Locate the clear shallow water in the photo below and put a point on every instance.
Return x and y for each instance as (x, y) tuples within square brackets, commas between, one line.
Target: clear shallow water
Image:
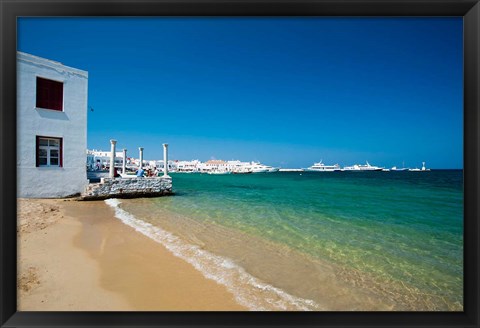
[(319, 241)]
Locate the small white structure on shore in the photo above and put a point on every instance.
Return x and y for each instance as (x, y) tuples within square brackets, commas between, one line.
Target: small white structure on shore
[(51, 128)]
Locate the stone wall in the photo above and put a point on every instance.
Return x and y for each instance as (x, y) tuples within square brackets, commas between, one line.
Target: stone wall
[(128, 188)]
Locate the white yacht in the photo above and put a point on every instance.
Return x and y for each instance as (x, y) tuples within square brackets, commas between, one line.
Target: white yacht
[(320, 167), (256, 167), (241, 170), (366, 167)]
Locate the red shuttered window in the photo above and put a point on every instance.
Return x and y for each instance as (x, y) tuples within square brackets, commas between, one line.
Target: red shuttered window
[(49, 94)]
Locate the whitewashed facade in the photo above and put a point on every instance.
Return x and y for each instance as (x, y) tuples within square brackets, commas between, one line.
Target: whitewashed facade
[(51, 128), (188, 166), (100, 159), (160, 165)]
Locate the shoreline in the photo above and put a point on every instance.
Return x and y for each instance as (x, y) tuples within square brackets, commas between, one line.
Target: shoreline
[(348, 289), (76, 256), (73, 250)]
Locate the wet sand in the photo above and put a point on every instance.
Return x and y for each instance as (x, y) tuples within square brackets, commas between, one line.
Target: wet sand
[(75, 256)]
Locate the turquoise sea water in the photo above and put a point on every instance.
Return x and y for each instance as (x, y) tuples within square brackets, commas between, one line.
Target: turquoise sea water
[(318, 240)]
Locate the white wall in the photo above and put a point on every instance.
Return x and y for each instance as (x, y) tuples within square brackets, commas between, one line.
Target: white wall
[(71, 125)]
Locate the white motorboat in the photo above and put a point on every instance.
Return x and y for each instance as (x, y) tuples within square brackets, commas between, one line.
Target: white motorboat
[(320, 167), (260, 168), (366, 167), (241, 170), (398, 169)]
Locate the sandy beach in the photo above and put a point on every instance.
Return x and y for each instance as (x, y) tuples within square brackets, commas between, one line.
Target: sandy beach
[(75, 256)]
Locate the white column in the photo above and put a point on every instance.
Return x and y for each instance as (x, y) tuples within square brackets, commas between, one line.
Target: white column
[(140, 149), (112, 158), (165, 160), (124, 164)]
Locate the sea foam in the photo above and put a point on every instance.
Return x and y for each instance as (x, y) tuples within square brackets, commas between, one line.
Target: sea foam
[(248, 290)]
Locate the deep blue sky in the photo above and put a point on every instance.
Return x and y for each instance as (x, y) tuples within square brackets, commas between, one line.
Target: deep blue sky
[(284, 91)]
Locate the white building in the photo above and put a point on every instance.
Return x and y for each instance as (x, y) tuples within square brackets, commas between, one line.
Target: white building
[(188, 166), (52, 128), (172, 165), (103, 153), (213, 165), (100, 159)]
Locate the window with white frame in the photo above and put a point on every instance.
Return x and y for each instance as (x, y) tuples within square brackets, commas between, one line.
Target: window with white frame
[(49, 151)]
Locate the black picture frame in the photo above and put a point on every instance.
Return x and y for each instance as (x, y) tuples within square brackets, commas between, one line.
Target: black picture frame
[(468, 9)]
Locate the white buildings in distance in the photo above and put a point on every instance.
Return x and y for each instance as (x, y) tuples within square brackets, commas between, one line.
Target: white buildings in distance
[(99, 160)]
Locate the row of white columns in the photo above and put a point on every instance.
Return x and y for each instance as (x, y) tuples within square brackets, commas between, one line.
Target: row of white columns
[(140, 149)]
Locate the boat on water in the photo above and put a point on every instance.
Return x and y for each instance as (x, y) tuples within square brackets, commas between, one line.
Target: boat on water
[(256, 167), (398, 169), (320, 167), (241, 171), (423, 169), (359, 167)]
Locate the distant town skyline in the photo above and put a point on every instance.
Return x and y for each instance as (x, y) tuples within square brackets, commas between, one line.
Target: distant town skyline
[(285, 91)]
